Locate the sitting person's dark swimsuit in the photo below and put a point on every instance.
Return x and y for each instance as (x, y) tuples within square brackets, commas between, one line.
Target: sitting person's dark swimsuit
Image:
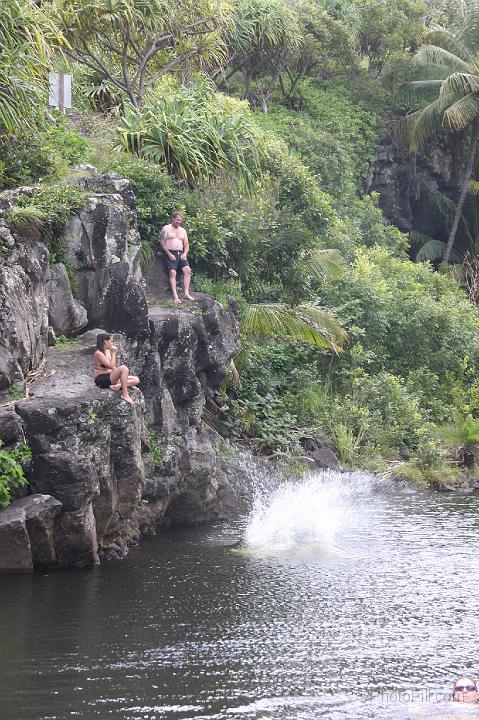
[(103, 381)]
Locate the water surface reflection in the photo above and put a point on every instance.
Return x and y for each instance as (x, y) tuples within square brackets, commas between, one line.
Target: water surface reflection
[(306, 619)]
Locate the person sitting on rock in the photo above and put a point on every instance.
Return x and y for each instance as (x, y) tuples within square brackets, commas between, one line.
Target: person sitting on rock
[(465, 690), (175, 245), (105, 372)]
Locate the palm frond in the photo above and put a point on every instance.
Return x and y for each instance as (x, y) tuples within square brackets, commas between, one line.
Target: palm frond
[(435, 56), (433, 251), (461, 113), (463, 83), (327, 263), (305, 323), (450, 40), (418, 127)]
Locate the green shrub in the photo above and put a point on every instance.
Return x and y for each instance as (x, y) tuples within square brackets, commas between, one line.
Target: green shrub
[(319, 150), (29, 221), (380, 410), (195, 133), (44, 153), (64, 342), (72, 277), (463, 431), (221, 291), (11, 472), (406, 318), (69, 145), (16, 391), (55, 204), (266, 408), (155, 449), (347, 443), (335, 108), (264, 419)]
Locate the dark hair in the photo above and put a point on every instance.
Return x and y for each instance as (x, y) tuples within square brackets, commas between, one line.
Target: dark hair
[(101, 338), (175, 213)]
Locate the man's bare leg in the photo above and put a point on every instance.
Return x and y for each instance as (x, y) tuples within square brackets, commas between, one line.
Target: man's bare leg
[(174, 292), (186, 282)]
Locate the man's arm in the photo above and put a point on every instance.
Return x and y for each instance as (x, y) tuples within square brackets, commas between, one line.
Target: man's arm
[(163, 243), (186, 247)]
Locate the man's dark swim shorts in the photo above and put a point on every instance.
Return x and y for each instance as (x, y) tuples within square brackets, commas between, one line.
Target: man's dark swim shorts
[(177, 263), (103, 381)]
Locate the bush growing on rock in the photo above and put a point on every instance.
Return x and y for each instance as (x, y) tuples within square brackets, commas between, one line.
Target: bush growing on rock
[(11, 473), (44, 153)]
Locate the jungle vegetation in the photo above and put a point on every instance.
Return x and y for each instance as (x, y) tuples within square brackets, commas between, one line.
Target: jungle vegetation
[(262, 120)]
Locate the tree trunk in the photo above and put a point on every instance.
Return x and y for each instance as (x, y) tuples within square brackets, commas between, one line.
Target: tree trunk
[(462, 197)]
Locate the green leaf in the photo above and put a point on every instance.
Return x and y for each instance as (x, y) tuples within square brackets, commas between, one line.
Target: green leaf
[(305, 323)]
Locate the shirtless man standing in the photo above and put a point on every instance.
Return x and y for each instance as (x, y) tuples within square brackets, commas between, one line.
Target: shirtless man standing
[(175, 245)]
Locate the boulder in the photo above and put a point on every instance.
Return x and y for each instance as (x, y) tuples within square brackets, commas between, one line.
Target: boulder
[(76, 541), (40, 514), (10, 425), (90, 450), (65, 314), (10, 370), (15, 548), (73, 481), (122, 306), (325, 458), (103, 248)]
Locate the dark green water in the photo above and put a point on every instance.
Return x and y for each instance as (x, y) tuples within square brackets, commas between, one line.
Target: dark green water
[(345, 600)]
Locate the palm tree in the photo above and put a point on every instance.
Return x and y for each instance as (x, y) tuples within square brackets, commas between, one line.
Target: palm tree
[(26, 38), (451, 61), (306, 323)]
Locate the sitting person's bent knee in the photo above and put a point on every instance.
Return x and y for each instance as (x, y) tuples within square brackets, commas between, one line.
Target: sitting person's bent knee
[(187, 270), (172, 273)]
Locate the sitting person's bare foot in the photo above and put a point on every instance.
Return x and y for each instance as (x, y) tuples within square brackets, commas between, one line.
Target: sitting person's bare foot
[(128, 399), (188, 296), (117, 386), (177, 300)]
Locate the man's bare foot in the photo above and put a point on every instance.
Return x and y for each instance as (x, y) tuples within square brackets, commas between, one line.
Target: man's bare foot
[(189, 297), (177, 300), (127, 399), (115, 387)]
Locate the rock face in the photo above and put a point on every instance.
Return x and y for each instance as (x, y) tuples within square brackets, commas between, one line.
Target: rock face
[(190, 353), (409, 187), (103, 472), (103, 248), (66, 316), (23, 304), (26, 534)]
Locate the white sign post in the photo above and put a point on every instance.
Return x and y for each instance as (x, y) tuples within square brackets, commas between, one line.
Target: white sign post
[(60, 91)]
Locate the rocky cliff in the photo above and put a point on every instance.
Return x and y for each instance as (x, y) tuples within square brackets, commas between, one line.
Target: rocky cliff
[(102, 473), (411, 188)]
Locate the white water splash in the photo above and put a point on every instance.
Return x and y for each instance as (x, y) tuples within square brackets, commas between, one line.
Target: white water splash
[(304, 516)]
